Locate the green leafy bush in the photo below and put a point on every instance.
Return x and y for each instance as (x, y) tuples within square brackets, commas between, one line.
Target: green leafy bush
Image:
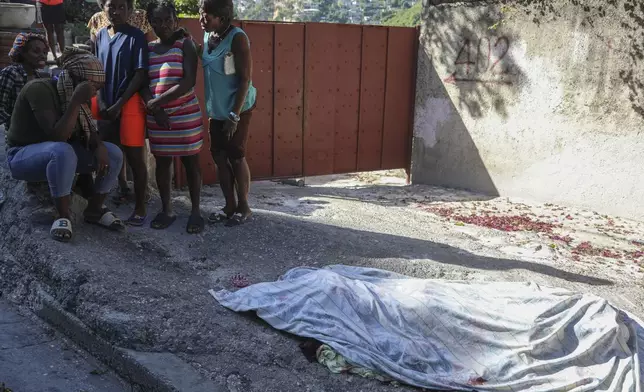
[(190, 7), (408, 17), (79, 29), (143, 4), (79, 10)]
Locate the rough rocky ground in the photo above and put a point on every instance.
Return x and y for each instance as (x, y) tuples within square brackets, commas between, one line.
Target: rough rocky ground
[(147, 289)]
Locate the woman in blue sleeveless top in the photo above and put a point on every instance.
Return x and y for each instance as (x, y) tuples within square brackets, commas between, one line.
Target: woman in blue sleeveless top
[(230, 99)]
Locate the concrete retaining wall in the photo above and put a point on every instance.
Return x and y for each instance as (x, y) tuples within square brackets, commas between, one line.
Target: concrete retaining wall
[(541, 99)]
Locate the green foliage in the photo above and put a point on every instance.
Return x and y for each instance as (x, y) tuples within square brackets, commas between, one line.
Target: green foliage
[(79, 10), (185, 6), (389, 12), (286, 12), (255, 9), (143, 4), (332, 11), (506, 11), (79, 29), (408, 17), (372, 11)]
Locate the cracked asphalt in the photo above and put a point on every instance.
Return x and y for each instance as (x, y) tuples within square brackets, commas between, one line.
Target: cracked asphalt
[(34, 358)]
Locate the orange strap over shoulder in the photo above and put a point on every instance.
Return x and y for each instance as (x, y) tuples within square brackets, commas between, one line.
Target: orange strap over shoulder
[(51, 2)]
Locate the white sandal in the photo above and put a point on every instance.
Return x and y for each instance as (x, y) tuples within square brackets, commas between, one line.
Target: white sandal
[(108, 220), (61, 230)]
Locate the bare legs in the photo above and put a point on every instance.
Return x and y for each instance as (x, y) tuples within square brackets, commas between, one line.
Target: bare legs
[(232, 168), (62, 206), (59, 29), (226, 182), (241, 172), (193, 172), (234, 177), (60, 36), (123, 187), (136, 157), (164, 184)]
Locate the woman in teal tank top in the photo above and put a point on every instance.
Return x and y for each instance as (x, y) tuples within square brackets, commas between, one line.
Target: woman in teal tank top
[(230, 99)]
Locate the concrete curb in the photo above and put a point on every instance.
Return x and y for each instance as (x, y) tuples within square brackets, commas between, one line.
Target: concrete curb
[(145, 371)]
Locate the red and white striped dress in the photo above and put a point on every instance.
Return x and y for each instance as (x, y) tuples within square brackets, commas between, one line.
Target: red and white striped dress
[(186, 134)]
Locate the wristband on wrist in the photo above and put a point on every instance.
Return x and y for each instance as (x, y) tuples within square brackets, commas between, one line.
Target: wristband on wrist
[(233, 116)]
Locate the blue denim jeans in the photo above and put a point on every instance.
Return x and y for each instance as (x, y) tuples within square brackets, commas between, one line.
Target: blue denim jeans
[(55, 162)]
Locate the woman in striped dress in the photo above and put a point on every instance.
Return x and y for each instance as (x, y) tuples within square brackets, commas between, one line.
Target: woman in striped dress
[(174, 119)]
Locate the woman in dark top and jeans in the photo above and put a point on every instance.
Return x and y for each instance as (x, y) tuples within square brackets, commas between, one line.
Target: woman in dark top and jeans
[(47, 115)]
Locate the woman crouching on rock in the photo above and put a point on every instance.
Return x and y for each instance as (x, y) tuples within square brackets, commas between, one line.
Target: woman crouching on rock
[(52, 137)]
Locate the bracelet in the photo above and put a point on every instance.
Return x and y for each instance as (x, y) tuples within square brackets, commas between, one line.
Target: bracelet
[(233, 116)]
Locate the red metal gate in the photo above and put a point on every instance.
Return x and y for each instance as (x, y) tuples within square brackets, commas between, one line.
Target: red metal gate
[(330, 98)]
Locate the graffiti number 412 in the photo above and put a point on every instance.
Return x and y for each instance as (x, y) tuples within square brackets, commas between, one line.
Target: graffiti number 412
[(480, 58)]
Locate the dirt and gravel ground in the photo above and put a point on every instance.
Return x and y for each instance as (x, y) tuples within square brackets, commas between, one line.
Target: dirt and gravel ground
[(148, 290)]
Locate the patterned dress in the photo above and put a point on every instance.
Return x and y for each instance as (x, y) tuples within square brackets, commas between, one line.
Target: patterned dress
[(186, 136), (138, 19)]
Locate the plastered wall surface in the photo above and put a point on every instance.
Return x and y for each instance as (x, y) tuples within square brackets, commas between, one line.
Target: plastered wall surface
[(538, 99)]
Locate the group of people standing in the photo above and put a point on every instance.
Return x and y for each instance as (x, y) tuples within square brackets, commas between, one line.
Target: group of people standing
[(138, 83)]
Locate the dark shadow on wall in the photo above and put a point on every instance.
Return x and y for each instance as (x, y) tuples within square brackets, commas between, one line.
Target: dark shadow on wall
[(484, 81), (479, 66), (475, 57), (444, 152), (629, 12), (633, 78)]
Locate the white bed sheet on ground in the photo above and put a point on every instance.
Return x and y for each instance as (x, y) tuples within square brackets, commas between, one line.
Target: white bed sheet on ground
[(488, 336)]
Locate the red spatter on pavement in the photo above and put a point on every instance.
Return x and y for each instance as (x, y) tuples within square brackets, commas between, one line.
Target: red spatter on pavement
[(239, 281), (634, 256), (587, 249), (565, 239), (498, 222), (477, 381), (490, 217)]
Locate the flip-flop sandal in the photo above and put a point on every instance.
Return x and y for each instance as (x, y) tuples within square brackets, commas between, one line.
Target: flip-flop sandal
[(237, 219), (162, 221), (218, 217), (108, 220), (195, 224), (136, 220), (61, 230)]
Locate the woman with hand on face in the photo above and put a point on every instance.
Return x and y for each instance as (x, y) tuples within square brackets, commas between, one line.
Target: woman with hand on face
[(230, 99), (175, 124), (53, 136), (29, 54)]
